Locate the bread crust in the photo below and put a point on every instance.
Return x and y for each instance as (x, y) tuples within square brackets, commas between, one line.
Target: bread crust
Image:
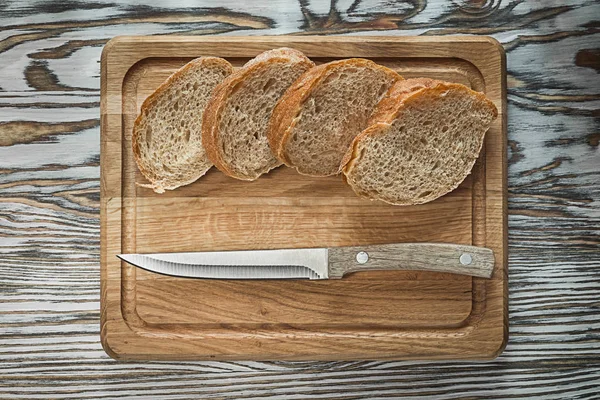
[(384, 114), (156, 181), (399, 96), (285, 115), (212, 113)]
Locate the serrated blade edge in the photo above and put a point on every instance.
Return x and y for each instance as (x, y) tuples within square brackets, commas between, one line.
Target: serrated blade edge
[(251, 264)]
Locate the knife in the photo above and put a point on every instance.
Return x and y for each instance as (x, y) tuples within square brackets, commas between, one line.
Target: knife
[(319, 263)]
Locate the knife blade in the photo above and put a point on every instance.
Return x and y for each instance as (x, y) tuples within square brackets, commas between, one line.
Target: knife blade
[(319, 263)]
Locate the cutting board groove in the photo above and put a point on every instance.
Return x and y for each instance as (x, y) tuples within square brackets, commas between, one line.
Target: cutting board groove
[(370, 315)]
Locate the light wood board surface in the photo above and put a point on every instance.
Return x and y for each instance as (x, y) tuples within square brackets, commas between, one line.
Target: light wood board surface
[(368, 315), (49, 201)]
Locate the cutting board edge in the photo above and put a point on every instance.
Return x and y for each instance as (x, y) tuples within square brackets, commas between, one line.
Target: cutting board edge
[(113, 348)]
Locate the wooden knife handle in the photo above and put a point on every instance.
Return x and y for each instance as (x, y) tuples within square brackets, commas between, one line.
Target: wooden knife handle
[(453, 258)]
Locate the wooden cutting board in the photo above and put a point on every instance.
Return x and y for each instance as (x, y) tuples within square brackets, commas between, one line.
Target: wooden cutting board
[(368, 315)]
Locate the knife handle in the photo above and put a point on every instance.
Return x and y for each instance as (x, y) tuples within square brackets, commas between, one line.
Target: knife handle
[(453, 258)]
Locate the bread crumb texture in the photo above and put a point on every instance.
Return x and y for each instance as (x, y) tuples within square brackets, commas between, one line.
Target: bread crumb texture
[(334, 108), (167, 135), (421, 145), (240, 110)]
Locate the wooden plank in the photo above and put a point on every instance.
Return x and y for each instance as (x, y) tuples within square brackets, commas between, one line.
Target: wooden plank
[(49, 201), (244, 319)]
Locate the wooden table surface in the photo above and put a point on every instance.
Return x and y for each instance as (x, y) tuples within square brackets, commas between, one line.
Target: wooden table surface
[(49, 200)]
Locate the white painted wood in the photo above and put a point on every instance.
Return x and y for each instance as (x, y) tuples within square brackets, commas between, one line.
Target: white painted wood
[(49, 193)]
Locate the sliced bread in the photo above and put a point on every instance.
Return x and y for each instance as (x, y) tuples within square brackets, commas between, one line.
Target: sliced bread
[(234, 129), (423, 140), (316, 119), (167, 134)]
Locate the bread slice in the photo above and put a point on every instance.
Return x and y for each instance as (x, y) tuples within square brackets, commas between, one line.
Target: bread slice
[(234, 129), (317, 118), (424, 139), (167, 134)]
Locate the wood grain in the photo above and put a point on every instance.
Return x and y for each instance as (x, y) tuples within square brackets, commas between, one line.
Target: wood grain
[(49, 202), (292, 320), (447, 258)]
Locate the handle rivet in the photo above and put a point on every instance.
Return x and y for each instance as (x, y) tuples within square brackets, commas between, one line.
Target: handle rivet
[(465, 259), (362, 257)]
